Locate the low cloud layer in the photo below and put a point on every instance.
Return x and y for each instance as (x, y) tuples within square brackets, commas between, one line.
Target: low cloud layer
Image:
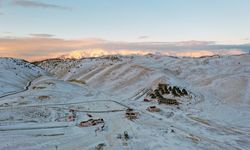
[(143, 37), (37, 4), (41, 35), (43, 46)]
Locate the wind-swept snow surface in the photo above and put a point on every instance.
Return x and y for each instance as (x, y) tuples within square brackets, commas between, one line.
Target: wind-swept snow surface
[(213, 113)]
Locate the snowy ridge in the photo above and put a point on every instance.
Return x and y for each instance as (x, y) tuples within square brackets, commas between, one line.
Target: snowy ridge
[(86, 53)]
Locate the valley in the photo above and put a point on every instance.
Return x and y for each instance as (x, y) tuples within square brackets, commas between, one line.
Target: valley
[(202, 103)]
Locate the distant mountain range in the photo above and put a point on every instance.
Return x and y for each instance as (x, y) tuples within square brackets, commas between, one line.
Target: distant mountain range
[(192, 53)]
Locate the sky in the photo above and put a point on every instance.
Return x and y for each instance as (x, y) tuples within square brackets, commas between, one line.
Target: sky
[(33, 29)]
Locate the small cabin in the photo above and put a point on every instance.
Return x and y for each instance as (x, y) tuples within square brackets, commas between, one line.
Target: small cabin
[(147, 100), (168, 101), (91, 122), (153, 109), (131, 115), (85, 123)]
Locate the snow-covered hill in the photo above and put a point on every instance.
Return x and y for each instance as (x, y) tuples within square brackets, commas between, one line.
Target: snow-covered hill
[(213, 114), (15, 74), (225, 77)]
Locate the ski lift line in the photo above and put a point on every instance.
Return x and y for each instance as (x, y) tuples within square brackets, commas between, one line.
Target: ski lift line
[(140, 95)]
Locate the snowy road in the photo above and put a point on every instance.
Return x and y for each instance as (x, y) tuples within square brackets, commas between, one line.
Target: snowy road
[(26, 88)]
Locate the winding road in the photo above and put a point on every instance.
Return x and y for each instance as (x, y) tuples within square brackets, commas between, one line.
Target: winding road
[(26, 88)]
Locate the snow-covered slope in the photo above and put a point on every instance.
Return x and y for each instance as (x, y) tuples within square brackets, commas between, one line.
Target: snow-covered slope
[(225, 77), (15, 74), (215, 113)]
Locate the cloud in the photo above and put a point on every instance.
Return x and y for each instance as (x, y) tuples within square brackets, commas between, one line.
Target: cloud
[(44, 43), (143, 37), (195, 43), (41, 35), (38, 47), (36, 4), (6, 32), (31, 48), (246, 40)]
